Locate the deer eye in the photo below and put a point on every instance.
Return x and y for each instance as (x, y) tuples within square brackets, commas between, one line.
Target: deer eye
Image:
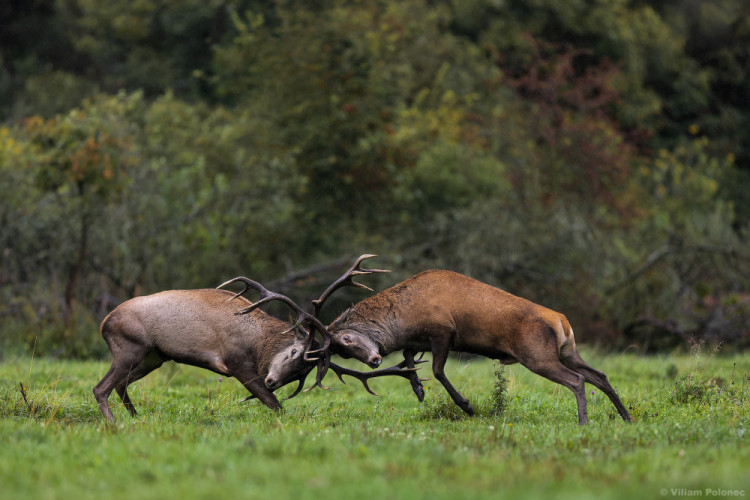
[(294, 352), (347, 339)]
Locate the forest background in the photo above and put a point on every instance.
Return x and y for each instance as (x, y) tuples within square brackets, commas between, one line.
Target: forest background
[(590, 155)]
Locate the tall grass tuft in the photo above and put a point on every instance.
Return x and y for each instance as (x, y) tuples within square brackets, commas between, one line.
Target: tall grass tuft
[(442, 408), (499, 396), (698, 386)]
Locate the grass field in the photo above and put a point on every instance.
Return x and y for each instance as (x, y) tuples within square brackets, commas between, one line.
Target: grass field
[(193, 439)]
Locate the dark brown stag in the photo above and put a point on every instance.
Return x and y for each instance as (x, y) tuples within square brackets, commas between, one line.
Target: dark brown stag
[(443, 311)]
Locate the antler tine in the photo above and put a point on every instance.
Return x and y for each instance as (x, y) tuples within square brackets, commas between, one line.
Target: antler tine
[(266, 295), (414, 380), (347, 279), (340, 371), (235, 280), (321, 350), (416, 361), (323, 364), (301, 379), (296, 325), (398, 370), (323, 355)]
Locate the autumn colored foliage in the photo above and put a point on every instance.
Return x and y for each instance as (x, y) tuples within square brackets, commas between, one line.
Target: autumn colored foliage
[(592, 157)]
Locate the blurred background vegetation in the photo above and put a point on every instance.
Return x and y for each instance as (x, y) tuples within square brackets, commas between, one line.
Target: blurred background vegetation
[(592, 156)]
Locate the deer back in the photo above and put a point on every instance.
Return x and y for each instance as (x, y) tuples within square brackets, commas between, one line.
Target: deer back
[(482, 318), (197, 327)]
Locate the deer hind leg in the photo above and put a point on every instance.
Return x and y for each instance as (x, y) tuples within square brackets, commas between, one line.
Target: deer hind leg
[(440, 350), (151, 362), (538, 350), (125, 357), (555, 371), (574, 361), (102, 390)]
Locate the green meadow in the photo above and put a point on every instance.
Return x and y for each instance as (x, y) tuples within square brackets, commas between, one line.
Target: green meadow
[(194, 439)]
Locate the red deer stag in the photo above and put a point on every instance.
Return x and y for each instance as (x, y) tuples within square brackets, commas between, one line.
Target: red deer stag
[(199, 328), (209, 329), (443, 311)]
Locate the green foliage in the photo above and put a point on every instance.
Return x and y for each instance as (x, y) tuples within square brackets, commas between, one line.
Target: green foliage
[(121, 196), (700, 386), (589, 156), (442, 408), (691, 389), (697, 263), (345, 83)]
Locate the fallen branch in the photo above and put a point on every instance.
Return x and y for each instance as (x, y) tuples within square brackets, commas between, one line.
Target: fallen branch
[(294, 276), (659, 254)]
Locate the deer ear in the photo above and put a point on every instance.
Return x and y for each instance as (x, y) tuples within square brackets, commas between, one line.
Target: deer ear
[(343, 317), (349, 314)]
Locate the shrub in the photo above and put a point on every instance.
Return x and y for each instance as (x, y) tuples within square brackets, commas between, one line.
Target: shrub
[(499, 398)]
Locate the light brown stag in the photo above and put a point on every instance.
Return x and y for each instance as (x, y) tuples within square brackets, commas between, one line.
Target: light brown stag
[(212, 329), (199, 328)]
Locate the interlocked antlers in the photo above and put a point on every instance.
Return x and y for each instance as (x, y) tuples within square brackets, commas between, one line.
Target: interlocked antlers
[(323, 355), (268, 296), (347, 280)]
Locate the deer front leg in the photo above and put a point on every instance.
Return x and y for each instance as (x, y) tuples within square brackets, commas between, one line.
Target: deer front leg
[(248, 376), (440, 350), (416, 382)]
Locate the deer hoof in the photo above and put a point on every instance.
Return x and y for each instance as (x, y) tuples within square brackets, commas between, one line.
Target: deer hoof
[(466, 406), (420, 393)]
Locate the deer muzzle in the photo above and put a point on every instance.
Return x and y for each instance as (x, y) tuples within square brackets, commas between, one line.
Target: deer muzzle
[(375, 361), (272, 383)]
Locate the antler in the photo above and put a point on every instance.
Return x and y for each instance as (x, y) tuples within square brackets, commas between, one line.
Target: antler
[(324, 362), (347, 280), (322, 354), (268, 296), (401, 370), (398, 370)]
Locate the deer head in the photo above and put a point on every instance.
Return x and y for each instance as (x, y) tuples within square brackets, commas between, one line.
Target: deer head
[(310, 324)]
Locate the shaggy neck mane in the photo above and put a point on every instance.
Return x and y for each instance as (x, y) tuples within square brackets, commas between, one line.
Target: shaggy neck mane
[(373, 317)]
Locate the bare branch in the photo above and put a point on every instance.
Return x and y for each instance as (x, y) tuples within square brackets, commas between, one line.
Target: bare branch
[(662, 252)]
